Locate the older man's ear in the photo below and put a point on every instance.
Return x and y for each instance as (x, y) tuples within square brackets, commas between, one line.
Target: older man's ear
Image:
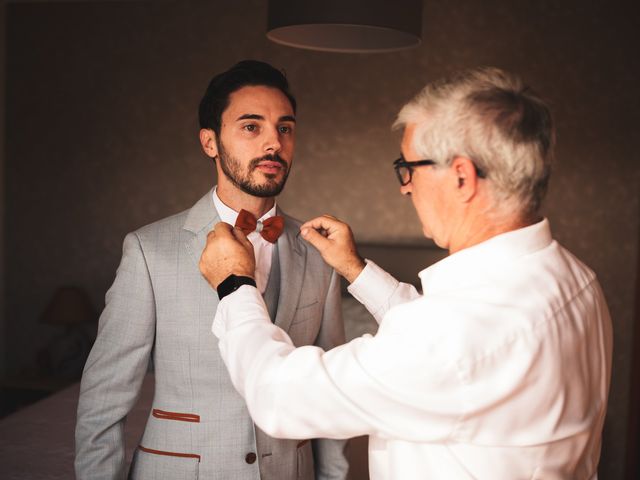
[(467, 178)]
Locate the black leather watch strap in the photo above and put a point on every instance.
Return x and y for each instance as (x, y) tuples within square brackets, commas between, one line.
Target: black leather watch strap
[(232, 283)]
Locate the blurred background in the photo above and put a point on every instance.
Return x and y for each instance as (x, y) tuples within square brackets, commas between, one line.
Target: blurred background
[(99, 137)]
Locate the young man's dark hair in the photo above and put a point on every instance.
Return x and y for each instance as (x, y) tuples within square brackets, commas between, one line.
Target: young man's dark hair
[(242, 74)]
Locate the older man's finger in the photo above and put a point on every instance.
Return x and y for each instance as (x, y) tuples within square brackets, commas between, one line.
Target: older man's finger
[(223, 229), (241, 237), (315, 238), (325, 223)]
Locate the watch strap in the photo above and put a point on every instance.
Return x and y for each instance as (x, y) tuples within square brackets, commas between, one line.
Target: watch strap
[(232, 283)]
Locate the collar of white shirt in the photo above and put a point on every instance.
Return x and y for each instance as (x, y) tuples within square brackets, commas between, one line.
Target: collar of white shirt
[(229, 215), (464, 267)]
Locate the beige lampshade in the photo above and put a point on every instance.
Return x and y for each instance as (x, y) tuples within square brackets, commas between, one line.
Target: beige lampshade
[(349, 26), (69, 306)]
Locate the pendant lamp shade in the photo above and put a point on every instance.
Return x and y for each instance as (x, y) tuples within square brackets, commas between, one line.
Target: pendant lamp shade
[(350, 26)]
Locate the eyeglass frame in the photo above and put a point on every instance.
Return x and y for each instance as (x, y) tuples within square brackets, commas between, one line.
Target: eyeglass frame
[(402, 163)]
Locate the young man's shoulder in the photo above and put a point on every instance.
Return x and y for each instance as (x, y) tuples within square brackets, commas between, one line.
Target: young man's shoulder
[(168, 225), (194, 218)]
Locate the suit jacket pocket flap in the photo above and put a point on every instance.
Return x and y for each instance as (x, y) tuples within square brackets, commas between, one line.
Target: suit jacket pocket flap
[(182, 417)]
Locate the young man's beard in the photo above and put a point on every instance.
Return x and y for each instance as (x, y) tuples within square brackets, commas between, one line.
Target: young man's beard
[(232, 169)]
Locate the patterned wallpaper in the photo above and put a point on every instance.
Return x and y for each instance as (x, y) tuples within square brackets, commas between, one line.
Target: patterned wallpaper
[(102, 136)]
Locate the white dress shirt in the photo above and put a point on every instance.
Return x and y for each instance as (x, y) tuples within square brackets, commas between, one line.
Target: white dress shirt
[(500, 371), (261, 248)]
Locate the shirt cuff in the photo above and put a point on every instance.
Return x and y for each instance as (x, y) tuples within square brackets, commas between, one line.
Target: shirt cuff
[(373, 287), (243, 304)]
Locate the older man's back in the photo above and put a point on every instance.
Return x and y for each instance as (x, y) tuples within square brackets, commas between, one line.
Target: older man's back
[(501, 369)]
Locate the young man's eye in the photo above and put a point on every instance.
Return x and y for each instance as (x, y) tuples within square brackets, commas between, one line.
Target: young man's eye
[(285, 129), (250, 127)]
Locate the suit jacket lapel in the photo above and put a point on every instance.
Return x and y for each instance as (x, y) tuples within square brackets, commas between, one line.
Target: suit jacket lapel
[(292, 255), (200, 220)]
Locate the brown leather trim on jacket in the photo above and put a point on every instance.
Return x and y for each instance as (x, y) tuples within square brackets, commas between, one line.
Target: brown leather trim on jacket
[(182, 417), (169, 454)]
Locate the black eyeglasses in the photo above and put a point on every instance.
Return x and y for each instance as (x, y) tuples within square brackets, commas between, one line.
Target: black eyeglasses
[(404, 169)]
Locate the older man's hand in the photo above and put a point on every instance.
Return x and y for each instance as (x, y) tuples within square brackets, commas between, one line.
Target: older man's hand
[(227, 252), (334, 240)]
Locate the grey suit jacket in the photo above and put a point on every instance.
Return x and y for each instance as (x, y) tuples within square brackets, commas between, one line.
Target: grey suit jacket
[(161, 308)]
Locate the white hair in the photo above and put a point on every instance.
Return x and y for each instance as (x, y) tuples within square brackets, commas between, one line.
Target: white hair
[(491, 118)]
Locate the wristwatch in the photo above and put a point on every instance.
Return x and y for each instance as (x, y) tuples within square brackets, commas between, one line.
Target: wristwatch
[(232, 283)]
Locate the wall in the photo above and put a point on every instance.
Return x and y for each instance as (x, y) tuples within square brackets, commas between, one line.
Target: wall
[(102, 136), (3, 336)]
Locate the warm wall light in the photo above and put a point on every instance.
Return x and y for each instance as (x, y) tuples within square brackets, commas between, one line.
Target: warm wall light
[(350, 26)]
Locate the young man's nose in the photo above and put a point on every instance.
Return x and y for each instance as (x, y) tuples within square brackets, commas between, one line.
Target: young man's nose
[(272, 141)]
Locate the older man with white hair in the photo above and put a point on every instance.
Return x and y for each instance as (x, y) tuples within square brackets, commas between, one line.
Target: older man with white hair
[(500, 369)]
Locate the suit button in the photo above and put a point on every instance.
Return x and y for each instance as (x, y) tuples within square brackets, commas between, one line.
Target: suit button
[(250, 458)]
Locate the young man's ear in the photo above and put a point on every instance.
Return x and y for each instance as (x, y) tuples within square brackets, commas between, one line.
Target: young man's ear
[(208, 142), (467, 177)]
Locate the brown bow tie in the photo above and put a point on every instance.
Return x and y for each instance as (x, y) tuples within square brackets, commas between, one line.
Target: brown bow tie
[(270, 229)]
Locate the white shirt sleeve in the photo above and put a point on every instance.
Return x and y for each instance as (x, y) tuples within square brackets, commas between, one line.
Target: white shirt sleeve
[(378, 291), (259, 354), (348, 391)]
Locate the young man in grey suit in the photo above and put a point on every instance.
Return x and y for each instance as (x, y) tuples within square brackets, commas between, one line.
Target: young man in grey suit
[(160, 308)]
